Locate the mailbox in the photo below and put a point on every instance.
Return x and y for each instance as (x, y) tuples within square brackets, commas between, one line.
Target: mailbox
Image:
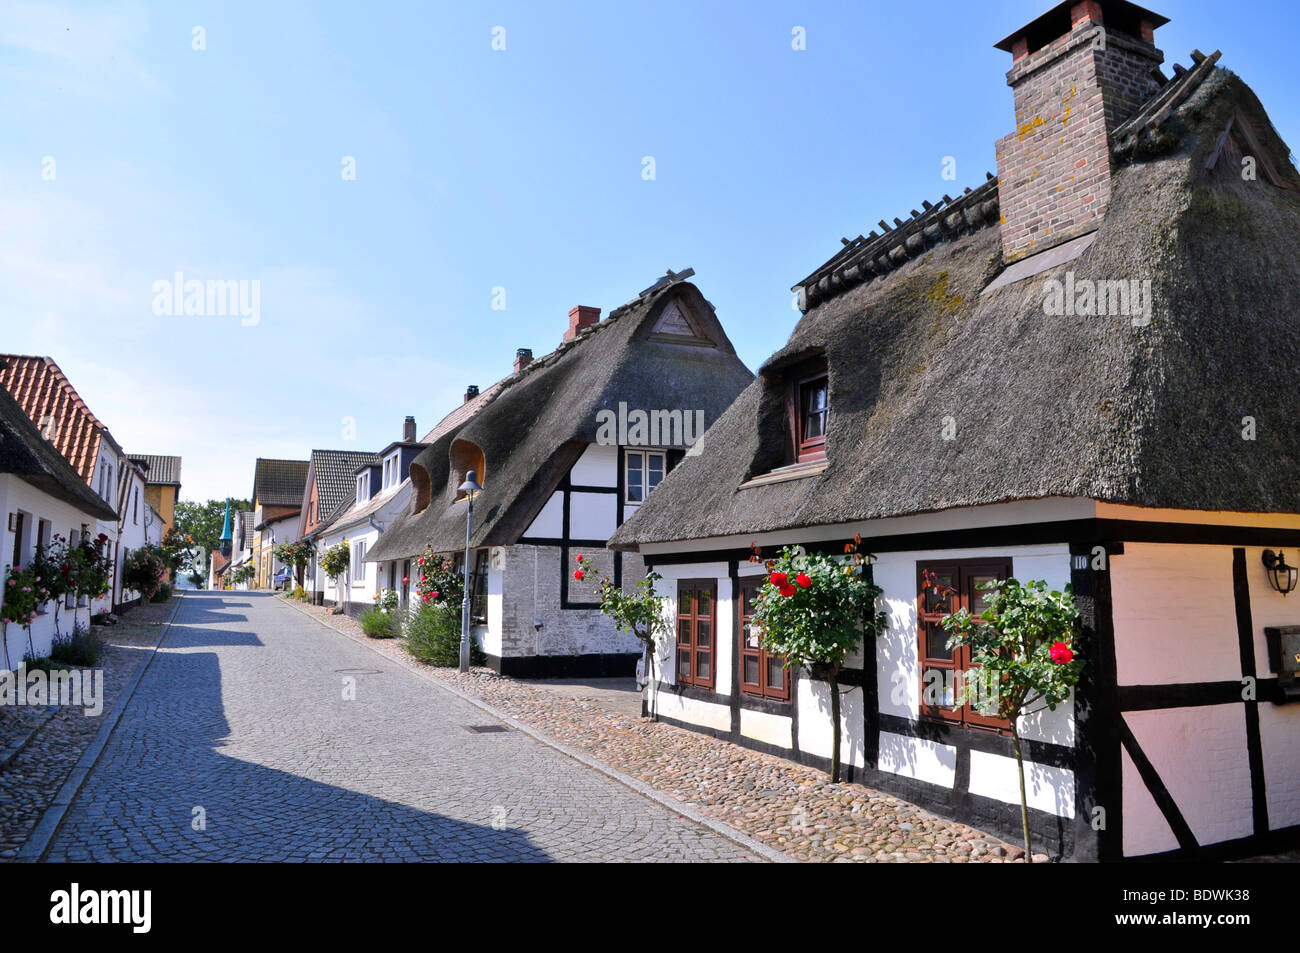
[(1284, 659)]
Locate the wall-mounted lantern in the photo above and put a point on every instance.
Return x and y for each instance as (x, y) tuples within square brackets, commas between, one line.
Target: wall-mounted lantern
[(1280, 576)]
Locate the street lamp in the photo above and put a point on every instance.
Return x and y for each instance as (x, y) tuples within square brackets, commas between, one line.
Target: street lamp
[(471, 489)]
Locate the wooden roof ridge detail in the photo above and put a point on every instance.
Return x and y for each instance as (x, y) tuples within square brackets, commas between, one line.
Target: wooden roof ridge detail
[(865, 258)]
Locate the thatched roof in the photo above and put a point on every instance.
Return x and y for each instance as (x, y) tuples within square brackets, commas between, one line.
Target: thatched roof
[(539, 420), (1045, 406)]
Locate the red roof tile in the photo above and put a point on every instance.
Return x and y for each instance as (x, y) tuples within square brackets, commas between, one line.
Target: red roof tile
[(53, 404)]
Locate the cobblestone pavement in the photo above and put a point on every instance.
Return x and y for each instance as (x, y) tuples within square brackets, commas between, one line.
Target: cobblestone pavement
[(788, 806), (30, 781), (239, 744)]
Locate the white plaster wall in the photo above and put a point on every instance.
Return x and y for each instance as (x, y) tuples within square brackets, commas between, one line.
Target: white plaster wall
[(814, 703), (1279, 730), (918, 758), (598, 466), (1145, 829), (1046, 788), (667, 587), (898, 674), (549, 523), (1267, 606), (694, 712), (1174, 614), (592, 515), (16, 495), (767, 728), (1200, 755)]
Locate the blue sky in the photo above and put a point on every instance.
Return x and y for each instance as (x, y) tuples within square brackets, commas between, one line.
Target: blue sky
[(476, 169)]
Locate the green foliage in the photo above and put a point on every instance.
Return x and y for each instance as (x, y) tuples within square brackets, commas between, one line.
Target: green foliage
[(144, 570), (814, 609), (336, 559), (202, 522), (81, 647), (433, 636), (297, 555), (89, 567), (438, 581), (1012, 641), (242, 574), (196, 579), (639, 611), (382, 621), (378, 624), (1023, 643), (163, 594)]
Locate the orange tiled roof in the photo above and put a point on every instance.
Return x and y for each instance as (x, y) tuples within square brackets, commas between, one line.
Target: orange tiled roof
[(53, 404)]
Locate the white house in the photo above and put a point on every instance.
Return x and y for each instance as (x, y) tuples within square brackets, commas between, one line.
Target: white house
[(565, 448), (41, 496), (933, 403)]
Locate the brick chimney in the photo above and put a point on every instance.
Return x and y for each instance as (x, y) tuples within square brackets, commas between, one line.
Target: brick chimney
[(1079, 71), (471, 392), (408, 430), (581, 317), (523, 357)]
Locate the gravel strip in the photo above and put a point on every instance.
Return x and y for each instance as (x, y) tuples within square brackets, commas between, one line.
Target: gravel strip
[(787, 806)]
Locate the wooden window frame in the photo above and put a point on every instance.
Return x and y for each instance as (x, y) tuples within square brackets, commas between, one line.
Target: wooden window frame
[(962, 572), (478, 579), (692, 650), (801, 378), (644, 455), (762, 688)]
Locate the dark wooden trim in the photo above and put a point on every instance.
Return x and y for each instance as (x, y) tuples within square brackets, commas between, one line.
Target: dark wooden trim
[(1282, 839), (1151, 778), (691, 679), (745, 702), (559, 542), (1097, 758), (1246, 641), (1187, 694), (973, 739), (608, 665), (1108, 531), (733, 575)]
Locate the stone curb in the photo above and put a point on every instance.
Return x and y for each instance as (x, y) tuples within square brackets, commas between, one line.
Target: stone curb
[(38, 842), (640, 787)]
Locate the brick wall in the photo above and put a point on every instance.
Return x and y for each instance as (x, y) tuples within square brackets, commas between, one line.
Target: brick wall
[(1054, 169), (531, 590)]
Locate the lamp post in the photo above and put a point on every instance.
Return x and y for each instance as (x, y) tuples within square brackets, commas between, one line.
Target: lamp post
[(471, 489)]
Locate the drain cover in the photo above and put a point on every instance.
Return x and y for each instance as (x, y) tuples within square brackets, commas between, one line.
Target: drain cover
[(486, 729), (358, 671)]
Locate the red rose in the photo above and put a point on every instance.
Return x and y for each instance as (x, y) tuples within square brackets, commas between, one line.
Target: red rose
[(426, 597), (1061, 653), (579, 557), (405, 580), (788, 591), (435, 595), (577, 574), (803, 580), (779, 579)]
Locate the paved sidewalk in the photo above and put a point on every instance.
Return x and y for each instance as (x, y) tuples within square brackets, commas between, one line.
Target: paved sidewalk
[(256, 734), (33, 777)]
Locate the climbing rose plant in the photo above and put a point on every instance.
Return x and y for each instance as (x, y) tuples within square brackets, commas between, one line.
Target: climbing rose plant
[(1023, 643), (89, 567), (21, 595), (437, 580), (639, 611), (145, 569), (814, 609)]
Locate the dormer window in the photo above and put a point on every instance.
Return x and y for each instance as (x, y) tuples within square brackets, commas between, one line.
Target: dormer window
[(363, 486), (809, 409), (643, 472), (391, 470)]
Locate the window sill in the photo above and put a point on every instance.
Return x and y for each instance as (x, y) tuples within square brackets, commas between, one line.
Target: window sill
[(795, 471)]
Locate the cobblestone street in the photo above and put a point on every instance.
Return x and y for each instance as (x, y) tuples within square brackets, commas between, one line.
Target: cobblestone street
[(241, 743)]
